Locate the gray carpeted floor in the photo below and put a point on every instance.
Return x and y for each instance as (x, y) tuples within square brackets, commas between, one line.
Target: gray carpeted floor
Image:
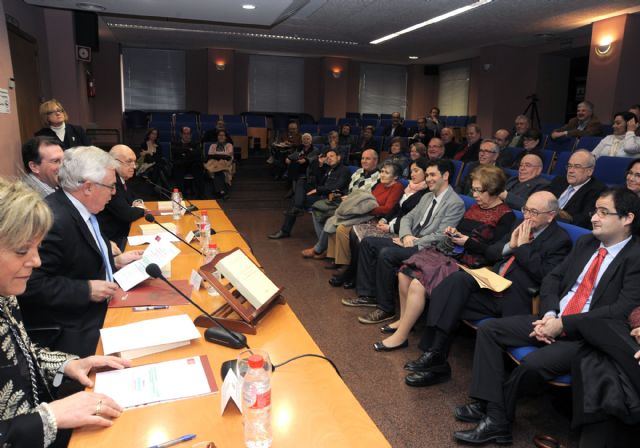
[(408, 417)]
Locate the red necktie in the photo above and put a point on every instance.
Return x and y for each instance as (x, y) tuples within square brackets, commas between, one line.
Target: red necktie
[(512, 258), (583, 292)]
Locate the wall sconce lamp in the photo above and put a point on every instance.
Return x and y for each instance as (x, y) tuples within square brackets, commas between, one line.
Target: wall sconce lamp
[(336, 72), (604, 47), (220, 65)]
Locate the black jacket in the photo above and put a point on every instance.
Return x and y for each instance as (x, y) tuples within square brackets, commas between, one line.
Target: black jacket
[(336, 179), (400, 210), (73, 136), (582, 202), (116, 218)]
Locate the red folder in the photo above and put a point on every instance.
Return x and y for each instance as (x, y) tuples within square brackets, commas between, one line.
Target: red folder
[(151, 292)]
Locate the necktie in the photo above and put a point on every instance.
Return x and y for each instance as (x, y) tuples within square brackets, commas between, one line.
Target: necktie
[(426, 220), (583, 292), (505, 267), (103, 247), (564, 198)]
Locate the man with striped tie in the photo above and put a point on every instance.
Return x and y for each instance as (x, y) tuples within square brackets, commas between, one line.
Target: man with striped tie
[(600, 278), (68, 293)]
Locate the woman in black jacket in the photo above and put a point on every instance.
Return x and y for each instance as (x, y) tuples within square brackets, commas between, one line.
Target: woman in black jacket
[(54, 118)]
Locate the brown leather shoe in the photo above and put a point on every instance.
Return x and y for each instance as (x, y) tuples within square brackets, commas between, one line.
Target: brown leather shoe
[(308, 253), (321, 256)]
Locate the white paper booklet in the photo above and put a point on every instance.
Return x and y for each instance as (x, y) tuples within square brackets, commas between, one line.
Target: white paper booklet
[(148, 336), (252, 283), (160, 252)]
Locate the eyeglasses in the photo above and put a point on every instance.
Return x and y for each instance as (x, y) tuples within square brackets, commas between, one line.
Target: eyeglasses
[(603, 212), (636, 176), (478, 190), (55, 111), (528, 165), (127, 162), (576, 166), (533, 212), (486, 151), (111, 187)]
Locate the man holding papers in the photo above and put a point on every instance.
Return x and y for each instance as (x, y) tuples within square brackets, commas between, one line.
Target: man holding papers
[(536, 246), (66, 297)]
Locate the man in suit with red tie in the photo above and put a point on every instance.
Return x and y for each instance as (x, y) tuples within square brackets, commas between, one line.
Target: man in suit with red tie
[(599, 278)]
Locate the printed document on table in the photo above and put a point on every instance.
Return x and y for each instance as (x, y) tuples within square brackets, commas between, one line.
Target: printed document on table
[(155, 383), (139, 240), (160, 252)]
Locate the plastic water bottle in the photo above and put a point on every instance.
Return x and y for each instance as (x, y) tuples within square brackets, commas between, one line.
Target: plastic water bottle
[(211, 253), (256, 404), (205, 230), (176, 201)]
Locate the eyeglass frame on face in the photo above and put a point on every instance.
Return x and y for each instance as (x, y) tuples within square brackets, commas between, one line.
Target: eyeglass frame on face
[(56, 111), (577, 166), (129, 163), (603, 213), (109, 187), (529, 165), (533, 212), (636, 176), (478, 190)]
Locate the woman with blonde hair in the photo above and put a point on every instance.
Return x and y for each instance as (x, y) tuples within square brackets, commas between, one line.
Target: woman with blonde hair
[(29, 375), (54, 119)]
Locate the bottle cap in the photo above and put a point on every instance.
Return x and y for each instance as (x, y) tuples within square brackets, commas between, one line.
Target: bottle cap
[(175, 190), (255, 361), (213, 246), (204, 213)]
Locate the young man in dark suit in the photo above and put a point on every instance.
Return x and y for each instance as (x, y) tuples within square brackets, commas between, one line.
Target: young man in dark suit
[(599, 278), (532, 250), (71, 288)]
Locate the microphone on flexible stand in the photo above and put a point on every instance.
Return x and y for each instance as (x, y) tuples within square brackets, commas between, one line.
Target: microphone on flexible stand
[(221, 335), (150, 218), (167, 194)]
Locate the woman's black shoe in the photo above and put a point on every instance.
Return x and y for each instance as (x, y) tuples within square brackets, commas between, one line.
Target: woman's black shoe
[(387, 329), (349, 284)]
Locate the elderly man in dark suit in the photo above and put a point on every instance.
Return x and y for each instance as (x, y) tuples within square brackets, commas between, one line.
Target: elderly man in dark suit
[(528, 181), (380, 257), (599, 278), (535, 246), (69, 291), (578, 190), (116, 218), (584, 123), (396, 128)]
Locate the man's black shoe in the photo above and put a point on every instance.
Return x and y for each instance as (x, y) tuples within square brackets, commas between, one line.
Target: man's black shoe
[(349, 284), (472, 412), (486, 431), (278, 235), (426, 362), (336, 281), (437, 375)]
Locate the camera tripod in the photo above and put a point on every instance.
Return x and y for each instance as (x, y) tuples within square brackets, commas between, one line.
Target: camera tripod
[(532, 110)]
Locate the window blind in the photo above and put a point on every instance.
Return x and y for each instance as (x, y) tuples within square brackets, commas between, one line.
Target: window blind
[(383, 89), (276, 83), (453, 96)]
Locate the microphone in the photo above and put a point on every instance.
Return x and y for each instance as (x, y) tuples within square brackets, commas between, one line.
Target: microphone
[(167, 194), (150, 218), (221, 335)]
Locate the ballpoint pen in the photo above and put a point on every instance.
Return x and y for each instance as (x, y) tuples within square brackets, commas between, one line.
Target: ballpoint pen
[(184, 438), (150, 307)]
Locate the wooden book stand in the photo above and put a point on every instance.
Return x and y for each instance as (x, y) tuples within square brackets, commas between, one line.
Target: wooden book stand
[(236, 304)]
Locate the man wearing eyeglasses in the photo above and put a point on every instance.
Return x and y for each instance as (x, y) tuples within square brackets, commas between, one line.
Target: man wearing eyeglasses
[(116, 218), (600, 278), (528, 181), (535, 246), (70, 289), (487, 156), (578, 190)]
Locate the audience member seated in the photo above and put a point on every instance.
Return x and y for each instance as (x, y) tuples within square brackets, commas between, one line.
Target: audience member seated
[(219, 167), (531, 142), (623, 142), (635, 110), (505, 158), (521, 125), (578, 190), (584, 123), (605, 382), (416, 151), (387, 227), (150, 163), (397, 152), (359, 206), (116, 218), (327, 176), (345, 138), (487, 156), (421, 133), (433, 121), (298, 161), (187, 162), (366, 141), (451, 147), (524, 256), (396, 128), (528, 181), (435, 150), (469, 152), (71, 288), (42, 157), (212, 134), (333, 142), (422, 226), (484, 223), (282, 147), (599, 278), (31, 417), (633, 177), (54, 118)]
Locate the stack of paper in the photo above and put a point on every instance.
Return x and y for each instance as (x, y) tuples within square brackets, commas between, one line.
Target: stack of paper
[(154, 229), (167, 206), (148, 336)]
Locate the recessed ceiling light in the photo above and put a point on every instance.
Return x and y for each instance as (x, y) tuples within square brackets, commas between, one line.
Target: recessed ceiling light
[(91, 7), (413, 57), (248, 6)]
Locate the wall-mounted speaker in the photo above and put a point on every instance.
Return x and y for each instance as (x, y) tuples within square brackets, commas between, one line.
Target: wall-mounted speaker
[(86, 27), (431, 70), (83, 53)]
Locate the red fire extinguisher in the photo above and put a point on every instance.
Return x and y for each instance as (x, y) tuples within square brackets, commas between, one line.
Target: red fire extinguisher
[(91, 85)]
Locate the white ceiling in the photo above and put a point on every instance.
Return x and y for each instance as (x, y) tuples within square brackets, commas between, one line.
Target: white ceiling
[(345, 27)]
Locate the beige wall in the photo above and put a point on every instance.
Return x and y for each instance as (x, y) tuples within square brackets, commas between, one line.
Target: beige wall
[(220, 82), (335, 89), (107, 104), (422, 92), (196, 74), (313, 86)]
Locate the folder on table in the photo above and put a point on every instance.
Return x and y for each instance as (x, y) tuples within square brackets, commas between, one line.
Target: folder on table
[(151, 292)]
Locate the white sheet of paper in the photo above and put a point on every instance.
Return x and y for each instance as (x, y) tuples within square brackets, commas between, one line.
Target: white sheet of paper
[(153, 383), (167, 205), (189, 236), (195, 280), (160, 252), (139, 240), (231, 389)]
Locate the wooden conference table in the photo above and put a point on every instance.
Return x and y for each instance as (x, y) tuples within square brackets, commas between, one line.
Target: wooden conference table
[(312, 407)]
